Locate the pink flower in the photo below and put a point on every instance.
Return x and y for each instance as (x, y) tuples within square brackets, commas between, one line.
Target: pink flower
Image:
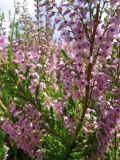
[(3, 42)]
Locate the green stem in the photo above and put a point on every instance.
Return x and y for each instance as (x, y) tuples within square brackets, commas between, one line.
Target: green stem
[(5, 110)]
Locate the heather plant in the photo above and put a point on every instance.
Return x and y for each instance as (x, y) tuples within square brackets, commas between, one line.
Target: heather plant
[(61, 100)]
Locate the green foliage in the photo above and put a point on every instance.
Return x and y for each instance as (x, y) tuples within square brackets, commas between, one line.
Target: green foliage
[(64, 55), (3, 148), (3, 152), (5, 98), (17, 32), (53, 148), (83, 148), (1, 138)]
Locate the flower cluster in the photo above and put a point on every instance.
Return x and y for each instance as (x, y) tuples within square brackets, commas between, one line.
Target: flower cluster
[(3, 42), (26, 131), (106, 129)]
